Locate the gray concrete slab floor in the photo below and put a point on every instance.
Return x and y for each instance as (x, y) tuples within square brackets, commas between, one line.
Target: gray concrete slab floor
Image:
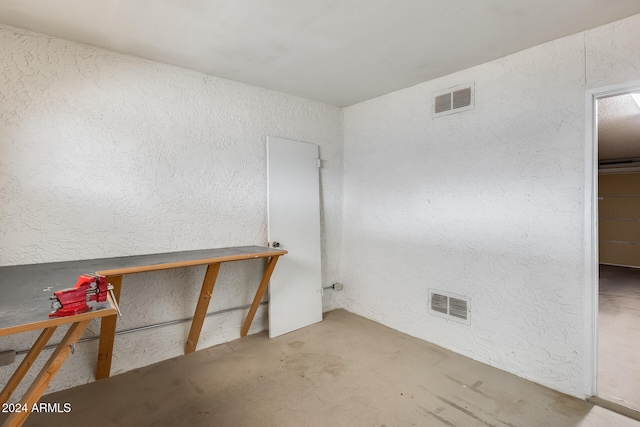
[(344, 371)]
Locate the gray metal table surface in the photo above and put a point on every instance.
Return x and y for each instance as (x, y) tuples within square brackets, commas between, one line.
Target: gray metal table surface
[(25, 292)]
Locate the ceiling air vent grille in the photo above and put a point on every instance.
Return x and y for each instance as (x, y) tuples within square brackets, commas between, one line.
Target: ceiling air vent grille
[(453, 100), (448, 305)]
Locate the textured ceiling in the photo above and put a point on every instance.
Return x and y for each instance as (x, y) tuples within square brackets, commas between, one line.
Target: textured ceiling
[(618, 128), (336, 51)]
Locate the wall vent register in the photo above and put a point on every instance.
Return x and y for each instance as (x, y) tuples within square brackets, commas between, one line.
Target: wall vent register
[(454, 100), (450, 306)]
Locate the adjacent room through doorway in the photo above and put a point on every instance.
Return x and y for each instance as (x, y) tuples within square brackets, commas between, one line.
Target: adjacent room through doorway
[(619, 249)]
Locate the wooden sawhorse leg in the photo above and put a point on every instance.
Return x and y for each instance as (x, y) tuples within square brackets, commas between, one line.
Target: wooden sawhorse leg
[(201, 307), (47, 372), (26, 364), (259, 294), (108, 333)]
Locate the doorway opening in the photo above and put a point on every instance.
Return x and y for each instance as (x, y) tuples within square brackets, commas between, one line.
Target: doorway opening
[(615, 257)]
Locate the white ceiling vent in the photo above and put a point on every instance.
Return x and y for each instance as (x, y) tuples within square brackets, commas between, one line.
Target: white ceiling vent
[(450, 306), (454, 100)]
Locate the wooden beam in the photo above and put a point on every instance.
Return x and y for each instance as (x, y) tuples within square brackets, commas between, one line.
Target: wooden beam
[(26, 364), (201, 307), (55, 321), (108, 334), (153, 266), (47, 372), (259, 294)]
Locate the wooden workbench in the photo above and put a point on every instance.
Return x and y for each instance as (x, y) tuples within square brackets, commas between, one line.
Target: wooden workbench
[(115, 268), (25, 304)]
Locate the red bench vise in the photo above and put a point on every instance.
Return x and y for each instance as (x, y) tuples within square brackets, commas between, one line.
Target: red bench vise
[(89, 287)]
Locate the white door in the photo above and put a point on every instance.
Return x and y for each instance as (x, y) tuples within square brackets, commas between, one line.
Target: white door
[(295, 298)]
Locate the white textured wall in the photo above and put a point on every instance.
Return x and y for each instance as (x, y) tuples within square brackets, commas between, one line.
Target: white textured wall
[(103, 154), (487, 203)]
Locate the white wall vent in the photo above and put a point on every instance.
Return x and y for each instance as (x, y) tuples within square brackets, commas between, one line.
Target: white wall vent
[(450, 306), (454, 100)]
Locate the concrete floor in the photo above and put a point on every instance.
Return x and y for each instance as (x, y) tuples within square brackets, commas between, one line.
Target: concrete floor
[(345, 371), (619, 336)]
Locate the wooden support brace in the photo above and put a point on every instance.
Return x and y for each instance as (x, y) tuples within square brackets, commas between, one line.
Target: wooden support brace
[(47, 373), (201, 307), (26, 364), (259, 294), (108, 334)]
